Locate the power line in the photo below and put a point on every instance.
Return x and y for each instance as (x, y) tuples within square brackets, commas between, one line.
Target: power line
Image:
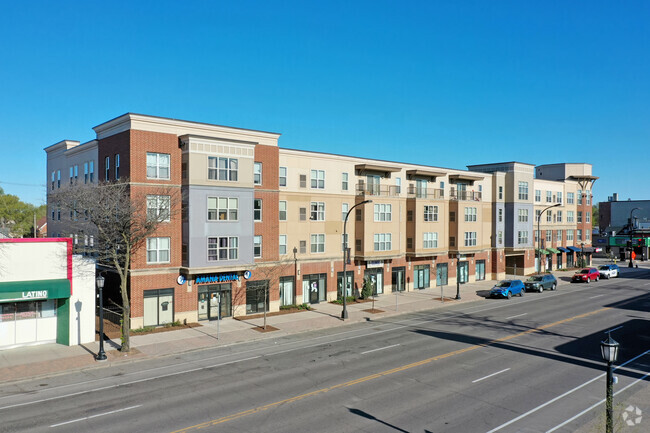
[(40, 185)]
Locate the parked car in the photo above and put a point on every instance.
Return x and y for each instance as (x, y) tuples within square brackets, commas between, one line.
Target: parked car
[(608, 271), (586, 275), (537, 283), (508, 288)]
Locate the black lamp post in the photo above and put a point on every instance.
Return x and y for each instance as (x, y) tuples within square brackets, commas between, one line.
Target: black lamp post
[(295, 274), (539, 237), (631, 265), (582, 255), (457, 277), (101, 355), (609, 350), (344, 313)]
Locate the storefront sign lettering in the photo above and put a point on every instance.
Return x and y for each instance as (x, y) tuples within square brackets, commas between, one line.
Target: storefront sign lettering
[(223, 278), (35, 294), (374, 264)]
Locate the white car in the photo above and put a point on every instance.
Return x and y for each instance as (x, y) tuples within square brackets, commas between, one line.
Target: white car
[(608, 271)]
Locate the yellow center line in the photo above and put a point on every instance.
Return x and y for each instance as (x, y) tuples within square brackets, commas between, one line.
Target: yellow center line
[(381, 374)]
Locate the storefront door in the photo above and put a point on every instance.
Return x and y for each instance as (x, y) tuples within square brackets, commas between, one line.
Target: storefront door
[(339, 283), (286, 291), (212, 298), (441, 274), (559, 261), (399, 279), (376, 275), (463, 272), (158, 307), (421, 277), (480, 270), (314, 288)]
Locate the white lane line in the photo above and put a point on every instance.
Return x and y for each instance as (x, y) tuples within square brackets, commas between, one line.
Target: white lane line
[(524, 415), (490, 375), (597, 296), (381, 348), (95, 416), (518, 315), (597, 404)]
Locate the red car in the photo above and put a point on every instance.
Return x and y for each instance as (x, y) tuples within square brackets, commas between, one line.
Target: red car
[(586, 275)]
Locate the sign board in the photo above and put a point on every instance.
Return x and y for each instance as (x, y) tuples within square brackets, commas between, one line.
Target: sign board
[(374, 264), (216, 279)]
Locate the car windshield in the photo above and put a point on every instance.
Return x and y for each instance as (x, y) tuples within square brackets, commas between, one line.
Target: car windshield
[(603, 268), (504, 284), (584, 271), (535, 278)]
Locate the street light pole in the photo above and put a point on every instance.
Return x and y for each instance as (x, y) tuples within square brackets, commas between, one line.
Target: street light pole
[(609, 351), (457, 277), (539, 237), (344, 313), (631, 265), (295, 274), (101, 355)]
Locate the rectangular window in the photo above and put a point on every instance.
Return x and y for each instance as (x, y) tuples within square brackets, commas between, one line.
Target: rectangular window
[(569, 198), (500, 238), (117, 166), (500, 193), (579, 196), (470, 214), (383, 212), (223, 209), (223, 248), (523, 215), (587, 235), (579, 217), (587, 217), (76, 173), (549, 216), (421, 277), (549, 235), (318, 179), (558, 198), (58, 178), (383, 242), (470, 239), (452, 241), (257, 173), (92, 171), (430, 240), (283, 210), (344, 210), (303, 214), (282, 179), (579, 235), (257, 209), (344, 181), (549, 196), (559, 216), (282, 242), (85, 174), (318, 243), (587, 197), (569, 216), (538, 195), (158, 165), (569, 235), (257, 247), (344, 240), (158, 208), (317, 211), (523, 190), (398, 185), (107, 166), (303, 247), (303, 181), (536, 236), (226, 169), (157, 250), (500, 215), (522, 237), (430, 213), (558, 236)]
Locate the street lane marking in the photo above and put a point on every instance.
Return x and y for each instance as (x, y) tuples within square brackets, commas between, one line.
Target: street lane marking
[(518, 315), (490, 375), (553, 400), (381, 348), (597, 296), (381, 374), (95, 416)]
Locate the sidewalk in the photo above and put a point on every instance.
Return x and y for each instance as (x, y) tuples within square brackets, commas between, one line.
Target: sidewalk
[(48, 359)]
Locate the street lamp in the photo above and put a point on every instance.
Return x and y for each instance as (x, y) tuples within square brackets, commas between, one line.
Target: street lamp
[(344, 292), (582, 255), (609, 351), (457, 277), (631, 265), (101, 356), (539, 237)]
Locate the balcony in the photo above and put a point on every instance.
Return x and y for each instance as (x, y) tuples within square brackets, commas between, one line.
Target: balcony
[(431, 193), (378, 190), (465, 195)]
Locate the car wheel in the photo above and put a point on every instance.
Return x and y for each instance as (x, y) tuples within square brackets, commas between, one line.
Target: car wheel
[(588, 279), (521, 293), (508, 295), (597, 277), (541, 289), (554, 286)]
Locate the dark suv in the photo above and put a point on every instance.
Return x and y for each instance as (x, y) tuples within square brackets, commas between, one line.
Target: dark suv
[(537, 283)]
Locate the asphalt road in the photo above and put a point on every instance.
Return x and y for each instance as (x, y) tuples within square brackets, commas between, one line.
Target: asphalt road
[(528, 364)]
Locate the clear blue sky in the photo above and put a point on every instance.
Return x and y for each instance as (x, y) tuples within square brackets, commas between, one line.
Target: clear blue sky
[(442, 83)]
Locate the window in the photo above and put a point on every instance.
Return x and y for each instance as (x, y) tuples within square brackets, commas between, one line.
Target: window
[(523, 190), (76, 173), (569, 235), (536, 235), (257, 173), (58, 214), (452, 241), (282, 241), (549, 196), (523, 215), (92, 171), (409, 243), (53, 178), (500, 215), (538, 195), (549, 235), (157, 250), (558, 236), (470, 214), (318, 243), (383, 242), (58, 178), (579, 196), (303, 214), (318, 179), (500, 237), (452, 216), (559, 216), (317, 211), (430, 240), (223, 248), (223, 209), (344, 210), (226, 169), (579, 217), (257, 209), (569, 198), (157, 165), (85, 174), (71, 175), (587, 235), (158, 207), (257, 246), (470, 239), (587, 217), (303, 181), (421, 277), (558, 198), (569, 216), (500, 193), (522, 237), (430, 213), (383, 212), (587, 197), (578, 235), (344, 181), (344, 241), (398, 185), (282, 179), (117, 166), (549, 216), (283, 210), (303, 247), (442, 186)]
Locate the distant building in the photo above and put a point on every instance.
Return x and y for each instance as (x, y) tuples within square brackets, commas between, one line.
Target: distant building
[(621, 222)]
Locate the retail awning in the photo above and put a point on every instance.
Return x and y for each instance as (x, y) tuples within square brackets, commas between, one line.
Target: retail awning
[(564, 250), (541, 251), (588, 249), (574, 249), (553, 250), (34, 290)]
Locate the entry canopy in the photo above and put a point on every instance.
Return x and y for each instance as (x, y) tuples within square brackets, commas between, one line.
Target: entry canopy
[(16, 291), (574, 249), (564, 250), (542, 251), (553, 250)]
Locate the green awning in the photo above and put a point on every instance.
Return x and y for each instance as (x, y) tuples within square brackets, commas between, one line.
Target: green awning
[(34, 290), (540, 251), (553, 250)]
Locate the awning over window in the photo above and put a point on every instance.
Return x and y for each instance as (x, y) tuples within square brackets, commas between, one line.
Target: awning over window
[(553, 250), (574, 249), (564, 250), (16, 291), (589, 249), (541, 251)]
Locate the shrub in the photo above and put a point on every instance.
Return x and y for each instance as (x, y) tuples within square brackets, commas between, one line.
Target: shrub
[(368, 288)]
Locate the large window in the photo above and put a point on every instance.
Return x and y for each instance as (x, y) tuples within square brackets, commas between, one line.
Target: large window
[(523, 190), (383, 212), (317, 211), (569, 216), (522, 237), (430, 213), (92, 171), (282, 241), (257, 173), (223, 248), (107, 168), (223, 168), (470, 214), (117, 167), (85, 174), (318, 243), (579, 235), (559, 216), (579, 217), (158, 250), (421, 277), (549, 235), (470, 239), (538, 195), (282, 205), (383, 242), (257, 247), (558, 236), (223, 208), (549, 196), (430, 240), (579, 196), (558, 197), (344, 181), (157, 165), (569, 197), (158, 207), (282, 180), (318, 179), (257, 209), (587, 217), (549, 216), (523, 215), (569, 235), (344, 210)]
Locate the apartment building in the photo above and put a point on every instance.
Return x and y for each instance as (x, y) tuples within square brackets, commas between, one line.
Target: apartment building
[(257, 216)]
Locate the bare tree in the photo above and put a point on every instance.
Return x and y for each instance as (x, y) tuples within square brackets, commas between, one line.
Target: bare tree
[(121, 220)]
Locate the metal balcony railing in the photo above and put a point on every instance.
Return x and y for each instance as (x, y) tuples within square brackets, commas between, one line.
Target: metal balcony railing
[(433, 193), (380, 190), (465, 195)]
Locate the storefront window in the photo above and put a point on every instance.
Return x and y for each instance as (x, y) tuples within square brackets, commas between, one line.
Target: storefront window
[(27, 310), (7, 312)]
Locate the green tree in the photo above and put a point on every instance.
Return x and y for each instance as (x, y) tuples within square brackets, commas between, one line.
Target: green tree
[(595, 216), (18, 216)]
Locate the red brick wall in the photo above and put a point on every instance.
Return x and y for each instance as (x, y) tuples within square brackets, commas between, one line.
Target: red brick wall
[(268, 228), (183, 301)]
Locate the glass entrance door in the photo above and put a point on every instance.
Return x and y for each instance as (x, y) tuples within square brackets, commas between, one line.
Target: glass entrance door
[(480, 270), (441, 274), (286, 291), (339, 283), (463, 272), (377, 278), (399, 279)]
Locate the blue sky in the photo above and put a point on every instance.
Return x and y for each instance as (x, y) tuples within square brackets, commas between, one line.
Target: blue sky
[(447, 84)]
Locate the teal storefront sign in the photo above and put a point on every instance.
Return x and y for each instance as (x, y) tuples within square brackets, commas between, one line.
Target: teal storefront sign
[(17, 291)]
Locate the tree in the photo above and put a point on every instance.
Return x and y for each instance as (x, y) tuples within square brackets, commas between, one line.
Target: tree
[(121, 221), (595, 215), (18, 216)]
